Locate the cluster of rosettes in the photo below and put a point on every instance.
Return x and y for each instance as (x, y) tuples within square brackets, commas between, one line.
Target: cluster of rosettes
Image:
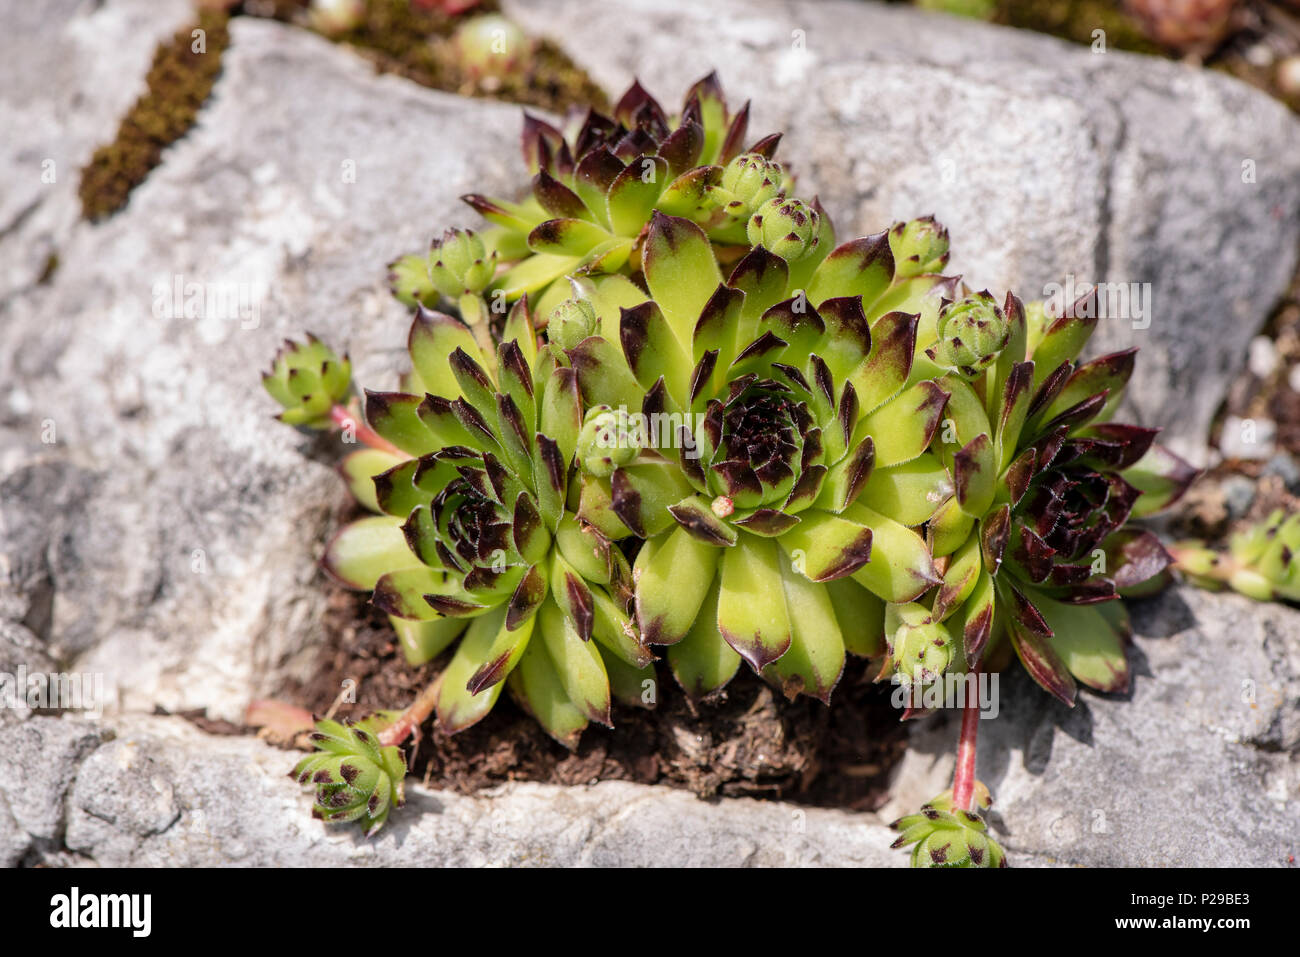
[(665, 413)]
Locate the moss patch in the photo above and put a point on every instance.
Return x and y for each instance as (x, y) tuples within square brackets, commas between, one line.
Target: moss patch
[(395, 36), (399, 37), (178, 83), (1076, 20)]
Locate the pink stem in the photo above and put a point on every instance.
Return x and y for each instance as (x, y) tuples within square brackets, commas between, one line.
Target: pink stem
[(963, 779), (346, 420), (410, 720)]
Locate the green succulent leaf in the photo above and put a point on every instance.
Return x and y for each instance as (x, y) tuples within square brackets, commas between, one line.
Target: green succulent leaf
[(752, 615), (673, 573), (363, 552), (359, 469), (578, 663), (536, 685), (681, 272), (486, 641), (702, 662), (900, 568), (815, 659)]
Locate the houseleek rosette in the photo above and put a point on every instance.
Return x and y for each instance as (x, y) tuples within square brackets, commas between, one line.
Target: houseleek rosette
[(474, 541), (356, 778), (944, 835), (308, 379), (593, 193), (1260, 561), (1035, 540), (803, 449), (780, 506)]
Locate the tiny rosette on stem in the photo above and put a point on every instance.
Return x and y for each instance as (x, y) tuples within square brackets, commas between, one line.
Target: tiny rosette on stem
[(972, 333), (355, 778), (948, 836), (747, 182), (919, 647), (1261, 561), (572, 321), (919, 246), (459, 263), (606, 442), (308, 379), (787, 227)]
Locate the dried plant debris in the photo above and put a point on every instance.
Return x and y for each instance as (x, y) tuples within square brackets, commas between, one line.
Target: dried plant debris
[(748, 741)]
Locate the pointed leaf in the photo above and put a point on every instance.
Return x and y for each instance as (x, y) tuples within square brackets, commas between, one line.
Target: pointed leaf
[(681, 272), (900, 568), (703, 662), (672, 575), (751, 604)]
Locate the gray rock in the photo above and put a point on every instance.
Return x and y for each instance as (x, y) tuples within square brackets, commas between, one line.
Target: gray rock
[(1238, 494), (14, 841), (1044, 159), (38, 761), (121, 796), (171, 525), (1285, 467), (1196, 767), (68, 71), (164, 793)]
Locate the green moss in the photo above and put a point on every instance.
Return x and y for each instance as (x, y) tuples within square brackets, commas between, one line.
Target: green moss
[(411, 42), (396, 36), (48, 270), (1076, 20), (177, 84)]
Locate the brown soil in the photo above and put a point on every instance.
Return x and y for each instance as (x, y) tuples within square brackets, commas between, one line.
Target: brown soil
[(752, 742)]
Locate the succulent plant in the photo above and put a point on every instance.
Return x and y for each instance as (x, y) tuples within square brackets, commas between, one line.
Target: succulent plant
[(489, 45), (707, 426), (1034, 539), (789, 433), (356, 778), (308, 380), (946, 835), (1260, 562), (475, 540), (593, 193)]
